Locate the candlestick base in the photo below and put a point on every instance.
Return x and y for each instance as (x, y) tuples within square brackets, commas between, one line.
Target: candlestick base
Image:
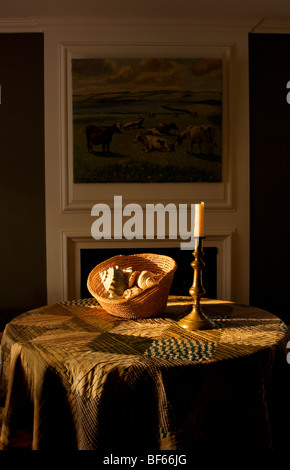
[(196, 320)]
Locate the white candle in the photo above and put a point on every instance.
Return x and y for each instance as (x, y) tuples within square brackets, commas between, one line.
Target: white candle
[(199, 220)]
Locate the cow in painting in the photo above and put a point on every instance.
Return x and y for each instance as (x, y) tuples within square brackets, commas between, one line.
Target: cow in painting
[(101, 135), (198, 135)]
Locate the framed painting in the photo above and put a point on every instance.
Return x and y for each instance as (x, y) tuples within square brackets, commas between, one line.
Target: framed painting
[(147, 119)]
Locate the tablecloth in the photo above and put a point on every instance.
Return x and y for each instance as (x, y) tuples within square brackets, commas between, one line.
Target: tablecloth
[(77, 378)]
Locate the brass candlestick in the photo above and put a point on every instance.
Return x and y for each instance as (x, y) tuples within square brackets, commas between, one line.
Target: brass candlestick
[(196, 319)]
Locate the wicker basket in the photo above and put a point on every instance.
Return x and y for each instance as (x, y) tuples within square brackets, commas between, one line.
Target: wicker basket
[(151, 301)]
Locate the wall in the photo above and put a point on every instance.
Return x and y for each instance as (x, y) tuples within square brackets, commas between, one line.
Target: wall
[(244, 273), (69, 205), (22, 191), (270, 167)]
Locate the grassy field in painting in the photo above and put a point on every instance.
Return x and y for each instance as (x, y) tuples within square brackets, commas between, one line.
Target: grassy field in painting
[(128, 162)]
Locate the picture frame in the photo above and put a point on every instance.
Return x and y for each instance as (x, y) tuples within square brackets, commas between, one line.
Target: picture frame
[(79, 193), (147, 120)]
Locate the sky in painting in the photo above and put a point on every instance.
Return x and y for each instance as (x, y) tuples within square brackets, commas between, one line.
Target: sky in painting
[(108, 75)]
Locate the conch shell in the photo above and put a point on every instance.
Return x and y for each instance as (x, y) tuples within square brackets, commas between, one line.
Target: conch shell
[(147, 279), (114, 281)]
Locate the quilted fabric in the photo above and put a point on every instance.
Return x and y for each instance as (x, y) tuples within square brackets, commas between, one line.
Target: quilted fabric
[(75, 377)]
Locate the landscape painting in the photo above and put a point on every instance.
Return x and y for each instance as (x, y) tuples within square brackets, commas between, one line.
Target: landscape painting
[(147, 120)]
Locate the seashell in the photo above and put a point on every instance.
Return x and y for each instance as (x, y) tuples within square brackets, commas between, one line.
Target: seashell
[(133, 278), (114, 281), (147, 279), (127, 272), (129, 293), (126, 282)]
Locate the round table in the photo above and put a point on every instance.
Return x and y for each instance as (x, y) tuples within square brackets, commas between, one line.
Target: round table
[(76, 377)]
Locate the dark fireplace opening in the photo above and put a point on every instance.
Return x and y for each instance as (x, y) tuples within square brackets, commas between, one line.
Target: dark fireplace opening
[(183, 276)]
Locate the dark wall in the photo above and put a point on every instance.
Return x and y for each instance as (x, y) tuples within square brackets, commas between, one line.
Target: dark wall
[(269, 64), (22, 190)]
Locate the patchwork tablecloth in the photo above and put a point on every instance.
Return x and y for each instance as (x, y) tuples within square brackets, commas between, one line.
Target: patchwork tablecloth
[(75, 377)]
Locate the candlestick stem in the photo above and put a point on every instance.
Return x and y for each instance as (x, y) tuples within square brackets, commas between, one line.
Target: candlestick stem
[(196, 319)]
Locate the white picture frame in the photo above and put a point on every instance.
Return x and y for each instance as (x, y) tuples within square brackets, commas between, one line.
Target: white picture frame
[(80, 197)]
